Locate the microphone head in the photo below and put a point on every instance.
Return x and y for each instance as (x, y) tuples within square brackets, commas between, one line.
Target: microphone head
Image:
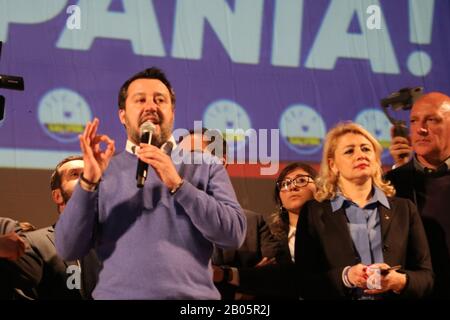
[(147, 126)]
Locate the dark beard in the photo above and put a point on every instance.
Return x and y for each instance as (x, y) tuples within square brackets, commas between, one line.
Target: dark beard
[(65, 195), (159, 140)]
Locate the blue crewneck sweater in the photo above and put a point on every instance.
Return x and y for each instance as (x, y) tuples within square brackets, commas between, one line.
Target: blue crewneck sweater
[(153, 245)]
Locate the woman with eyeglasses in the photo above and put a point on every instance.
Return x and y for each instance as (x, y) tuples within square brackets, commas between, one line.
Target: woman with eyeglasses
[(294, 187), (357, 241)]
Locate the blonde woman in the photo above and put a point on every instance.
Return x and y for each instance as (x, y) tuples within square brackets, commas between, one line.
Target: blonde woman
[(356, 226)]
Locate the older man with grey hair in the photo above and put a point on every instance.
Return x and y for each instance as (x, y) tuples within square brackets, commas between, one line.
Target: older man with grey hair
[(425, 180)]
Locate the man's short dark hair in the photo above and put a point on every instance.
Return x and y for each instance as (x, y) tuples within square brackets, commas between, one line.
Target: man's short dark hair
[(150, 73), (55, 180)]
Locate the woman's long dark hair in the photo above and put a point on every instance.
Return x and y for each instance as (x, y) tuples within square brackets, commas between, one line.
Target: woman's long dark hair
[(280, 218)]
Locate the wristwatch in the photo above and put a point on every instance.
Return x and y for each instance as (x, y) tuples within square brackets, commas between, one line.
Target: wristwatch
[(174, 190)]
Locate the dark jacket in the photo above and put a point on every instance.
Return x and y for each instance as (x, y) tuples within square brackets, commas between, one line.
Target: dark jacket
[(7, 271), (48, 275), (324, 247), (275, 281), (259, 242), (430, 192)]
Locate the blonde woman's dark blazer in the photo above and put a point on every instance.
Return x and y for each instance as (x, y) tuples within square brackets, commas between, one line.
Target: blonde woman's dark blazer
[(324, 247)]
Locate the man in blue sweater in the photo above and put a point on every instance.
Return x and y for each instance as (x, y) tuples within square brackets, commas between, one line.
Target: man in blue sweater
[(155, 242)]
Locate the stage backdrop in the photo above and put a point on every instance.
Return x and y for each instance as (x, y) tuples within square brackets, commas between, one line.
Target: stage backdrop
[(297, 66)]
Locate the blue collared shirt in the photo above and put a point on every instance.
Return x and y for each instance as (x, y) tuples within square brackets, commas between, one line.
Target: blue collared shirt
[(364, 225)]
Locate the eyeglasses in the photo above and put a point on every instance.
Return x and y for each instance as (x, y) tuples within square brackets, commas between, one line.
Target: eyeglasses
[(299, 181)]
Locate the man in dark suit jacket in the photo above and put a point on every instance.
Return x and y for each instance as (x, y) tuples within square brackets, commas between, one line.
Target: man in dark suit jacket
[(259, 247), (12, 246), (48, 275), (425, 179), (324, 247)]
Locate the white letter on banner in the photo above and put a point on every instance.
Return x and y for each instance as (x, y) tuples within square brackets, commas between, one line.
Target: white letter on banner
[(27, 12), (238, 31), (138, 24), (287, 33), (333, 41)]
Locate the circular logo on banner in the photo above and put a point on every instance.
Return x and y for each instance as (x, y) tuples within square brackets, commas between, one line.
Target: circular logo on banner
[(231, 119), (63, 114), (376, 122), (302, 129)]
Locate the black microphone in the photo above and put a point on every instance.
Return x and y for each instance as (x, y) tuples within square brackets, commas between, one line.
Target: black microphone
[(2, 107), (146, 129), (11, 82)]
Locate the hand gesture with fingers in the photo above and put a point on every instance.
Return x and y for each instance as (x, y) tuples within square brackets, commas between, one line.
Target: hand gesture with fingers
[(95, 160)]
